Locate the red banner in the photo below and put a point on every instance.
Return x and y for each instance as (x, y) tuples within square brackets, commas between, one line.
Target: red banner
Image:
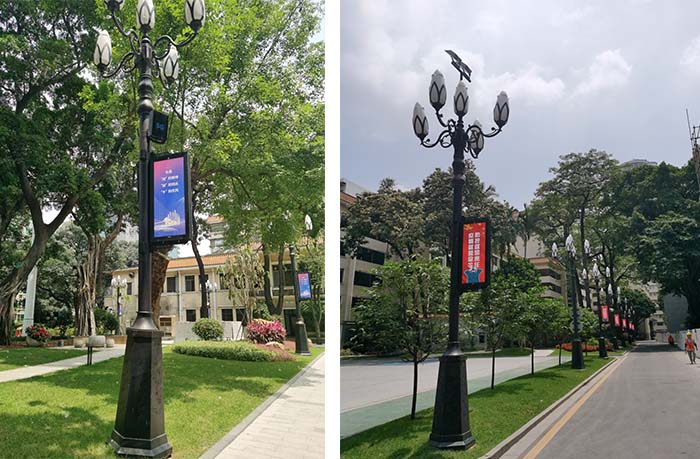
[(624, 323), (631, 326), (604, 310), (617, 319), (474, 253)]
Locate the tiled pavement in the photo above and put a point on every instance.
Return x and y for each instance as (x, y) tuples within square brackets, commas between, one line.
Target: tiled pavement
[(291, 426)]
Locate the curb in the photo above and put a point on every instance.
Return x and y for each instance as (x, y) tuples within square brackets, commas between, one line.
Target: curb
[(503, 447), (219, 446)]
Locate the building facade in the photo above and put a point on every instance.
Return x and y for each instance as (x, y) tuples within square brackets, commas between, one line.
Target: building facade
[(181, 298)]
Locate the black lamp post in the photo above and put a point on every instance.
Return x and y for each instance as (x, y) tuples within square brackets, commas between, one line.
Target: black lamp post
[(301, 340), (602, 350), (119, 284), (139, 428), (451, 415), (211, 287), (621, 308), (611, 302), (576, 349)]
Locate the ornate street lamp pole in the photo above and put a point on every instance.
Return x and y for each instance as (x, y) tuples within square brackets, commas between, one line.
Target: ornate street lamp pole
[(576, 349), (301, 338), (139, 428), (211, 287), (602, 350), (119, 284), (621, 303), (451, 415)]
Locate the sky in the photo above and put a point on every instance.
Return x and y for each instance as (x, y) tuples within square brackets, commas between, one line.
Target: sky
[(610, 75)]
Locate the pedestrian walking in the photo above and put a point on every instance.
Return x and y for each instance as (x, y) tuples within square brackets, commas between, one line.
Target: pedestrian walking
[(690, 347)]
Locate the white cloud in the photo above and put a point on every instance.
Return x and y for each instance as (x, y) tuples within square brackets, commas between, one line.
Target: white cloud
[(608, 70), (690, 59)]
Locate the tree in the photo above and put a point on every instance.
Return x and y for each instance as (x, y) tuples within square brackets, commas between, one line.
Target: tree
[(389, 215), (243, 273), (411, 292), (55, 149)]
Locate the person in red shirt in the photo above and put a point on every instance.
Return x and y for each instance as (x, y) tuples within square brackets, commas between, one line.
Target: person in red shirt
[(690, 347)]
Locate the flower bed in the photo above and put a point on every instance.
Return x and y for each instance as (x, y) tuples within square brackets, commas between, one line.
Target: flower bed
[(586, 347), (264, 331), (232, 350)]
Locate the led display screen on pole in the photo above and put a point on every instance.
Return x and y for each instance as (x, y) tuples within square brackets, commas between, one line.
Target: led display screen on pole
[(617, 320), (170, 199), (604, 313), (304, 286), (476, 254), (624, 323)]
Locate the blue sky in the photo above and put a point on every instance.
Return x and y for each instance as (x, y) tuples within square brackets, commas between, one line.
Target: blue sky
[(615, 76)]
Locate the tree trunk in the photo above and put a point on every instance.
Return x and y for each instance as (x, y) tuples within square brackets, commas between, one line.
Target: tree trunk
[(493, 365), (561, 344), (532, 357), (14, 280), (280, 275), (267, 284), (159, 268), (204, 303), (87, 277), (415, 386)]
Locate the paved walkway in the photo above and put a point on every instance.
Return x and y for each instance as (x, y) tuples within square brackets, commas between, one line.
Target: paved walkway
[(45, 368), (291, 426), (644, 406), (376, 392)]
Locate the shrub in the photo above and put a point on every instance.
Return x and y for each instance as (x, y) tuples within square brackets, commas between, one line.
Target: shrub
[(208, 329), (38, 332), (228, 350), (263, 331), (106, 321)]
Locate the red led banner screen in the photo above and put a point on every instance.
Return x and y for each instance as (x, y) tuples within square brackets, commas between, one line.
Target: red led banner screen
[(476, 254), (617, 320), (624, 323), (605, 313)]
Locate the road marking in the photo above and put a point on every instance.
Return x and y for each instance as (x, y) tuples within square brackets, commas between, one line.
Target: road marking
[(544, 441)]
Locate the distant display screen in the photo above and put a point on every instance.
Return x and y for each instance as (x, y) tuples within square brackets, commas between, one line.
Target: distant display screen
[(476, 254), (304, 286), (170, 203)]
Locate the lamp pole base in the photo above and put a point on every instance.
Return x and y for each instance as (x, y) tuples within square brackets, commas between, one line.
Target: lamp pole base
[(302, 342), (602, 349), (577, 355), (451, 416), (139, 429)]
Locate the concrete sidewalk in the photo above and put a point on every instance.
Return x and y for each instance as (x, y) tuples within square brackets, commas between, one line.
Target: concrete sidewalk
[(292, 425), (375, 393), (66, 364)]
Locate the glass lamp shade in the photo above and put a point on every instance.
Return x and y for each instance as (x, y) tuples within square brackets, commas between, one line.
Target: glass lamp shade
[(502, 110), (461, 99), (437, 90), (103, 50), (584, 274), (114, 5), (476, 138), (610, 290), (569, 243), (607, 272), (170, 67), (308, 223), (145, 15), (195, 14), (420, 122), (586, 247), (555, 250), (596, 271)]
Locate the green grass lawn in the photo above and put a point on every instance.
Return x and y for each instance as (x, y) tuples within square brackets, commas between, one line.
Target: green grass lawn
[(70, 414), (16, 357), (494, 415)]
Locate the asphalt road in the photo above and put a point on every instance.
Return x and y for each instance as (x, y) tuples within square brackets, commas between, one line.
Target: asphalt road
[(649, 407)]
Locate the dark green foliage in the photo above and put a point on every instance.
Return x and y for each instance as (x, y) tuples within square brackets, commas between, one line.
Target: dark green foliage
[(226, 350), (107, 322), (208, 329)]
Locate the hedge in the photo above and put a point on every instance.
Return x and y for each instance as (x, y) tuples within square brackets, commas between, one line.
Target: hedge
[(226, 350)]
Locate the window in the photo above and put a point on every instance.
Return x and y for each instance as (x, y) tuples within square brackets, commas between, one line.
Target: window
[(370, 256), (363, 279), (227, 315), (189, 283), (549, 272), (129, 288), (223, 281), (240, 314), (287, 276), (171, 284), (191, 315)]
